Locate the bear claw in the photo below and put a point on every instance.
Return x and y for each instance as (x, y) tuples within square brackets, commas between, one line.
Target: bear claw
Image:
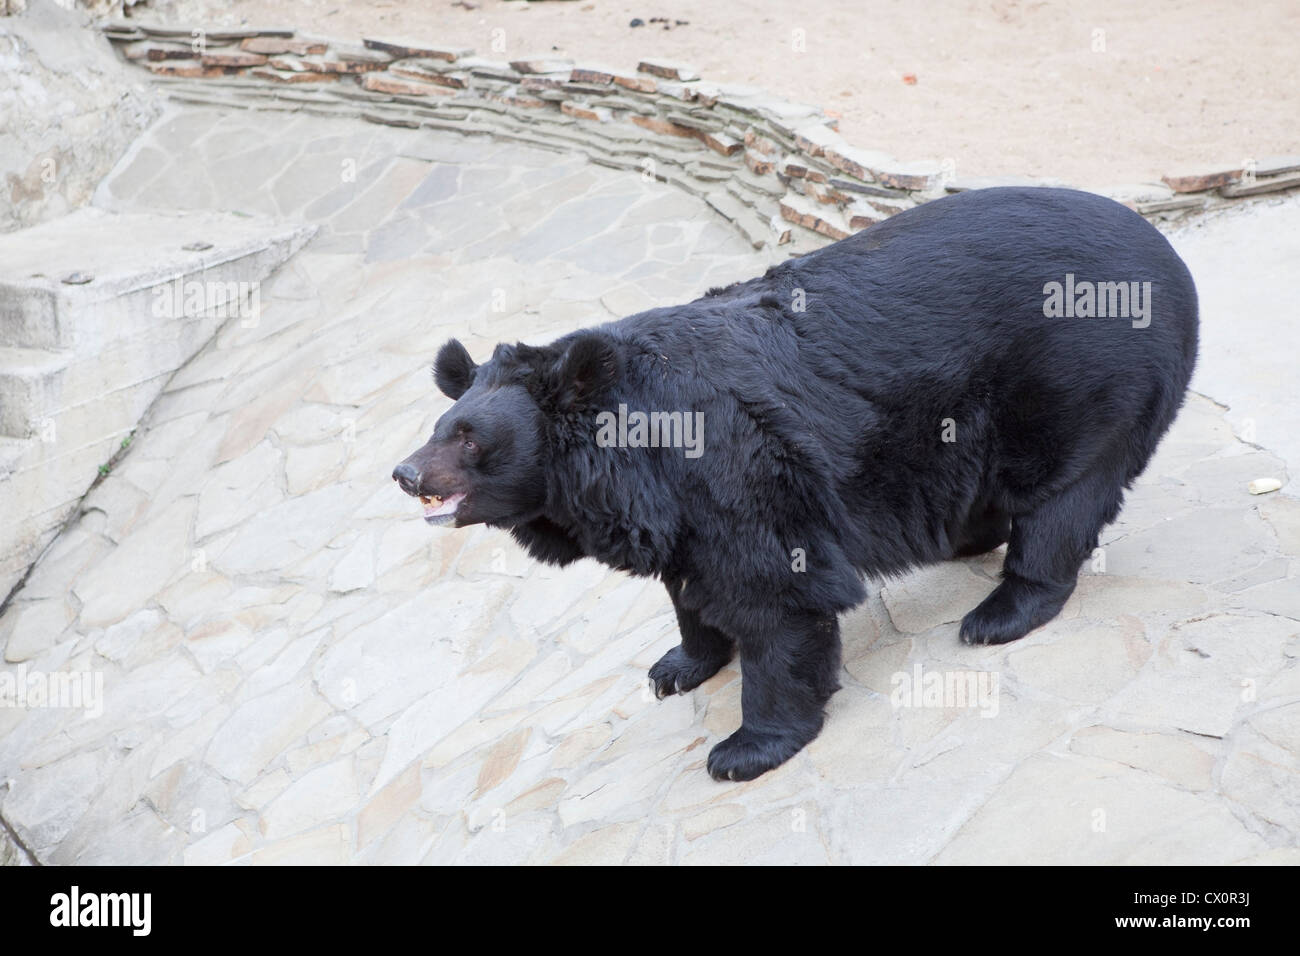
[(676, 673), (662, 690)]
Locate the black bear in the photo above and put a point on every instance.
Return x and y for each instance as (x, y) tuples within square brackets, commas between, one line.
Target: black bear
[(992, 367)]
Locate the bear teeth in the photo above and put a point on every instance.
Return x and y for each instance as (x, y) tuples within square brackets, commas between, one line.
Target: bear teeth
[(425, 499)]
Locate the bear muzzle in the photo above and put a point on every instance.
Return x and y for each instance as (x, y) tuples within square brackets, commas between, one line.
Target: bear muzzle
[(438, 509)]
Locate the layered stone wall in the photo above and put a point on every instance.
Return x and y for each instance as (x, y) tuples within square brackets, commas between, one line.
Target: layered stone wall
[(771, 167)]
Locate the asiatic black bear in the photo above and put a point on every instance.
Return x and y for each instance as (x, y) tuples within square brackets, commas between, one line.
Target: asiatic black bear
[(995, 366)]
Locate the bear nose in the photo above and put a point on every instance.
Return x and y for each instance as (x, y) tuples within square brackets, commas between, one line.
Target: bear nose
[(407, 477)]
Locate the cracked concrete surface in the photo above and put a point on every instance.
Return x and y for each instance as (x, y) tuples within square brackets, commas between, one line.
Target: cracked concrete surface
[(296, 669)]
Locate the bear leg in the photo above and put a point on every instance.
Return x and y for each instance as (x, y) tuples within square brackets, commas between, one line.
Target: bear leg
[(702, 653), (787, 675), (1048, 544)]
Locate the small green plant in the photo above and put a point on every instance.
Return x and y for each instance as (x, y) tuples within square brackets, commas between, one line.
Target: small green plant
[(107, 466)]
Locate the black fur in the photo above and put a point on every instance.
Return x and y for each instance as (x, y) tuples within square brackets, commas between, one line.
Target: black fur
[(824, 436)]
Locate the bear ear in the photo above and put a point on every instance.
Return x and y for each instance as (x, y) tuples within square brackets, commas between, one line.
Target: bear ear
[(589, 366), (453, 370)]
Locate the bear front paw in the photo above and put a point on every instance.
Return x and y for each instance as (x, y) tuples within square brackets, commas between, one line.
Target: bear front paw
[(676, 673), (745, 754)]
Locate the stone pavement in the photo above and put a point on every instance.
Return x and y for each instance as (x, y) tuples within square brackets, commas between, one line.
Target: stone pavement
[(297, 669)]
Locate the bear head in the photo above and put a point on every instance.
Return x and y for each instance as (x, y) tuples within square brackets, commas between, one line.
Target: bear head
[(488, 460)]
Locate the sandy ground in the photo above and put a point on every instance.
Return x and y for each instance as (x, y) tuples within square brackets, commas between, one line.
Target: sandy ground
[(1094, 93)]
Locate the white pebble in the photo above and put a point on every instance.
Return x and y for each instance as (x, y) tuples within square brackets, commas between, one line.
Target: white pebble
[(1262, 486)]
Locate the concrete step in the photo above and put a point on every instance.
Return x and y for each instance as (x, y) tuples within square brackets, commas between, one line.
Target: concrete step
[(82, 360), (12, 451), (51, 274), (38, 385), (29, 382)]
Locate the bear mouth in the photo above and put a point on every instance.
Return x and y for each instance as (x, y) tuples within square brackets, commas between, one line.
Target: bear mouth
[(439, 510)]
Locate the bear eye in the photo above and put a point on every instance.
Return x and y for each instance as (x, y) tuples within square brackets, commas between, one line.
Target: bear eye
[(468, 444)]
